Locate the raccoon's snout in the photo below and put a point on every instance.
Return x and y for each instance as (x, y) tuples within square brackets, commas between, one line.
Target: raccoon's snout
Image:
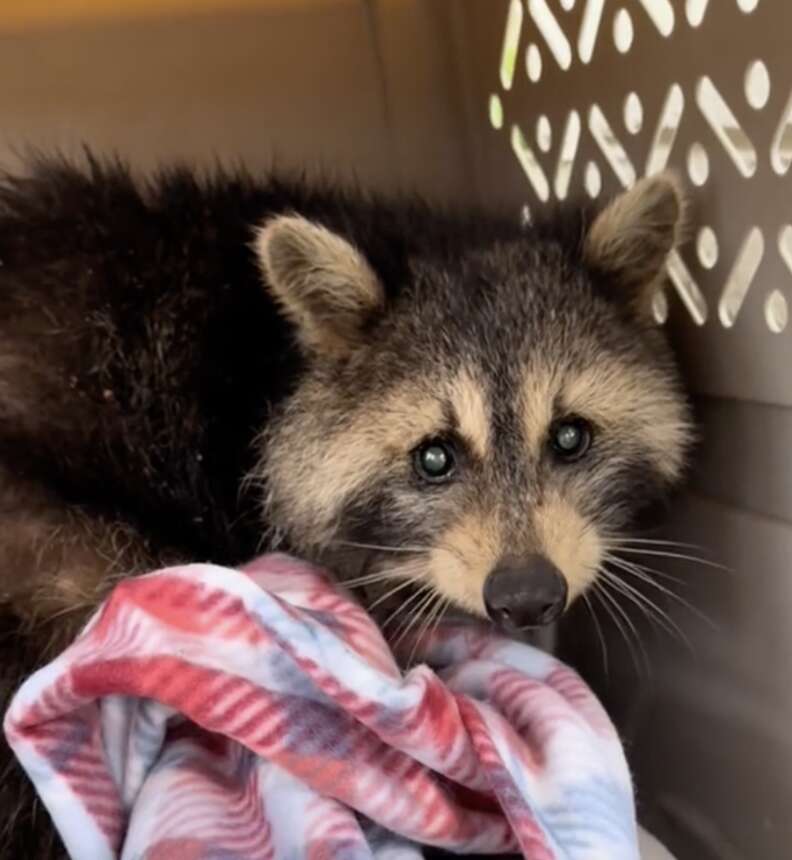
[(527, 593)]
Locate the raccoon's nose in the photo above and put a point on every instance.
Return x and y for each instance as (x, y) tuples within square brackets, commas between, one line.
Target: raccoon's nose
[(526, 593)]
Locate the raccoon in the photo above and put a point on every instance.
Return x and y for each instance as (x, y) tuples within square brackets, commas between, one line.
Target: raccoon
[(453, 406)]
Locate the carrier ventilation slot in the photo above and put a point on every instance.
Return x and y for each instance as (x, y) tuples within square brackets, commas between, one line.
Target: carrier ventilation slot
[(781, 148), (495, 111), (623, 32), (530, 165), (757, 85), (687, 288), (698, 164), (533, 63), (741, 277), (707, 247), (633, 113), (566, 155), (662, 14), (544, 134), (546, 22), (776, 312), (593, 179), (785, 245), (611, 148), (511, 40), (666, 132), (695, 11), (726, 127), (660, 307), (592, 17)]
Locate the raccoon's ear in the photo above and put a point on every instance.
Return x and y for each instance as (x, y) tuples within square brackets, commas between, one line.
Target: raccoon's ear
[(631, 238), (322, 283)]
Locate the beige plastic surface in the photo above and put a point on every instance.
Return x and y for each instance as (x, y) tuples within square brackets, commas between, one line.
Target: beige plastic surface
[(400, 94), (321, 83)]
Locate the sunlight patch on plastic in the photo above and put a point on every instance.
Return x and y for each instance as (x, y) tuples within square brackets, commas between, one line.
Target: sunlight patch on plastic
[(550, 29), (776, 312), (781, 147), (530, 164), (726, 127), (661, 13), (695, 11), (592, 17), (666, 131), (567, 154), (611, 148), (511, 41), (741, 277), (687, 288)]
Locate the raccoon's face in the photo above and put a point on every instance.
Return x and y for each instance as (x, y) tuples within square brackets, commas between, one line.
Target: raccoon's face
[(488, 433)]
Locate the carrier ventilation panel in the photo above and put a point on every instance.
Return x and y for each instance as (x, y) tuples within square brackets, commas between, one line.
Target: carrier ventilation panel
[(587, 96)]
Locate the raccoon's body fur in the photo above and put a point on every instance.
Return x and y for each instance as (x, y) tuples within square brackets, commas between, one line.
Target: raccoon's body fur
[(193, 369)]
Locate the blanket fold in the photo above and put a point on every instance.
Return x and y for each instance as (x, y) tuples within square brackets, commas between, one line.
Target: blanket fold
[(209, 713)]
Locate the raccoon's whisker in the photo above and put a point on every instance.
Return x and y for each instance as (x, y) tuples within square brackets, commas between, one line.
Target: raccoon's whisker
[(422, 610), (650, 541), (647, 575), (431, 613), (411, 599), (416, 614), (650, 609), (399, 609), (397, 572), (598, 628), (383, 597), (368, 579), (630, 625), (677, 555), (441, 614), (605, 599), (381, 548), (400, 549)]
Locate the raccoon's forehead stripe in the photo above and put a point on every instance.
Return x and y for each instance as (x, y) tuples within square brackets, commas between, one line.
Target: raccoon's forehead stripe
[(536, 405), (471, 412)]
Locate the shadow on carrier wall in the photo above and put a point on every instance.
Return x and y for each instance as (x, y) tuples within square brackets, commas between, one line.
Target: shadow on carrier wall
[(526, 102)]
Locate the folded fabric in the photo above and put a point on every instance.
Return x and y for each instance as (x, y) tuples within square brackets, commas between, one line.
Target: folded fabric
[(209, 713)]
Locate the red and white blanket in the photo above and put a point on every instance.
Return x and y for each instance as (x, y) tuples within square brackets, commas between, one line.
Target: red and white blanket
[(210, 713)]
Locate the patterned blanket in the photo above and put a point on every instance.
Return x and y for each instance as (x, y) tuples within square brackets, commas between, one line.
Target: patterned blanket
[(209, 713)]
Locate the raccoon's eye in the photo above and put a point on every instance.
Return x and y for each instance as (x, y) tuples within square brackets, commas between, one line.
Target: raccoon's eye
[(570, 438), (434, 460)]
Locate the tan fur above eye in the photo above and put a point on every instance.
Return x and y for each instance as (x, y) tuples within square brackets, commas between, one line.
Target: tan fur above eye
[(636, 408), (472, 412)]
